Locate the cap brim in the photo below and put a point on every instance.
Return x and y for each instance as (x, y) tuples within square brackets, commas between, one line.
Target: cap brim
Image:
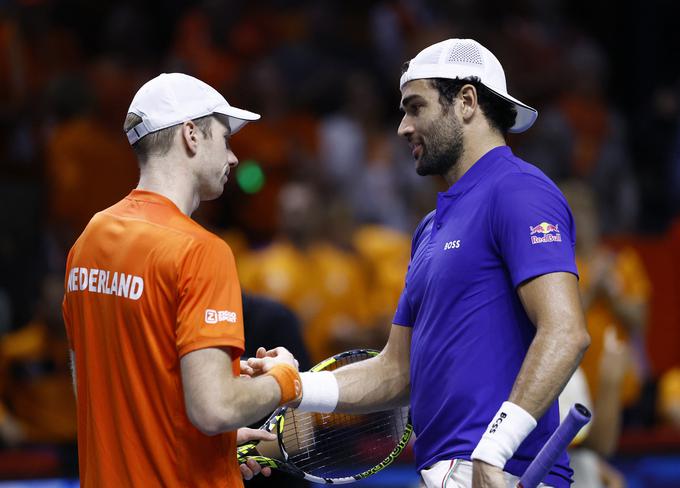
[(237, 117), (526, 115)]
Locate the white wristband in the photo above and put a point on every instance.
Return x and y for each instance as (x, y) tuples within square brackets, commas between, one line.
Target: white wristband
[(505, 433), (320, 392)]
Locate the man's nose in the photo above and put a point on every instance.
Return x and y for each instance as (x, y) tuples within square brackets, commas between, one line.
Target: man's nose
[(232, 159), (405, 127)]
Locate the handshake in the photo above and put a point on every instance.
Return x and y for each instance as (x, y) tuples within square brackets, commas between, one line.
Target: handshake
[(280, 364), (283, 366)]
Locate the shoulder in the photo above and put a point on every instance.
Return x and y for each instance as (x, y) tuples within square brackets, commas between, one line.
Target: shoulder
[(205, 242), (519, 180), (190, 246)]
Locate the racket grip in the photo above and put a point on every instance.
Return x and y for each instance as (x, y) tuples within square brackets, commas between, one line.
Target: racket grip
[(577, 417)]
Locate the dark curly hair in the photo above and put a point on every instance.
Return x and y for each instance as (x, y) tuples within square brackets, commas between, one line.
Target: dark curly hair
[(500, 113)]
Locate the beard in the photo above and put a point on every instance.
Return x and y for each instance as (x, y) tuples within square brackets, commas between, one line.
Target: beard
[(443, 150)]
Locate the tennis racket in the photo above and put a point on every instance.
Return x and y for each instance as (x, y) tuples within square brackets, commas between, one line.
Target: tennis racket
[(332, 447), (577, 417)]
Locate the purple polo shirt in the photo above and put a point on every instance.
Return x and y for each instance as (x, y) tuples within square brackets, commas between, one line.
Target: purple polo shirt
[(504, 222)]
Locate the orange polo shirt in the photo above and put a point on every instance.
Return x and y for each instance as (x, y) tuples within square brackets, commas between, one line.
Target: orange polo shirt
[(146, 285)]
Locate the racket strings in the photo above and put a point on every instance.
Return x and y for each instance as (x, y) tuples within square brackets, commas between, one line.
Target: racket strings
[(311, 442), (325, 445), (325, 448)]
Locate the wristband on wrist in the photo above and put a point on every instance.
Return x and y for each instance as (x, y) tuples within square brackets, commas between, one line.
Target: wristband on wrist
[(289, 381), (505, 433), (321, 392)]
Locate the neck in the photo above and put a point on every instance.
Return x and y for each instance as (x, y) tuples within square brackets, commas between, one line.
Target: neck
[(172, 180), (473, 149)]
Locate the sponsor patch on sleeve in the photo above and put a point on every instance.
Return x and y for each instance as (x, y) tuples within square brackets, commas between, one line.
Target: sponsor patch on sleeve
[(217, 316), (544, 232)]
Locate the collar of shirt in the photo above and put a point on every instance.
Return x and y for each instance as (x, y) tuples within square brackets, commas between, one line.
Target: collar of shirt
[(477, 171), (151, 197)]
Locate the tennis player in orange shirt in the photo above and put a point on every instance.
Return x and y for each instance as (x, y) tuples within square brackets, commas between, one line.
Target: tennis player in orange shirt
[(153, 310)]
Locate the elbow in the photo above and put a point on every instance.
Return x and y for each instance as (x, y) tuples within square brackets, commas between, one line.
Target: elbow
[(207, 423), (580, 342), (583, 341), (213, 421)]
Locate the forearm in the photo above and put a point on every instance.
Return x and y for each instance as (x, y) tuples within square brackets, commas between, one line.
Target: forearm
[(548, 365), (372, 385), (379, 383), (606, 425), (552, 358), (248, 400), (217, 401), (553, 305)]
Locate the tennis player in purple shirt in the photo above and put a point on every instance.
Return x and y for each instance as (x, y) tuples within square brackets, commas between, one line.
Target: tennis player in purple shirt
[(489, 326)]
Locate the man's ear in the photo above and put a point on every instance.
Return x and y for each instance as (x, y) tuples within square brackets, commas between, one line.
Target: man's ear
[(189, 135), (469, 103)]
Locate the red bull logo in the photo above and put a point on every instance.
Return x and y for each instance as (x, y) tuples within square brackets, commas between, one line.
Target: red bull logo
[(549, 233)]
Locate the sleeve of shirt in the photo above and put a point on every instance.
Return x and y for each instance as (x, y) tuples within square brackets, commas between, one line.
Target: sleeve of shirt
[(532, 227), (404, 313), (209, 312)]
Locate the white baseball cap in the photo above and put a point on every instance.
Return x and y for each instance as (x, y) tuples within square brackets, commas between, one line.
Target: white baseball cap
[(463, 58), (172, 98)]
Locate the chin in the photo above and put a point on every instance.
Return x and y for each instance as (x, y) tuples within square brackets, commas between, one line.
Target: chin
[(212, 195), (423, 169)]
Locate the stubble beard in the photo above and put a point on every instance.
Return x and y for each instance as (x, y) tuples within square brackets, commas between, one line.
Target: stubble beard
[(444, 149)]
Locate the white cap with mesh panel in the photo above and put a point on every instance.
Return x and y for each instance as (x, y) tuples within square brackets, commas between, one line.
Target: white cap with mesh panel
[(463, 58), (172, 98)]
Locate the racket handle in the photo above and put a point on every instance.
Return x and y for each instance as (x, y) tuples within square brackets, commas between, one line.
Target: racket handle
[(577, 417)]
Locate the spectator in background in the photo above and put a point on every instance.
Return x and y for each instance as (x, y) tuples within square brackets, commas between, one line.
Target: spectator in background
[(385, 254), (200, 44), (365, 160), (88, 164), (597, 441), (36, 392), (669, 397), (582, 136), (289, 149), (322, 282), (615, 292)]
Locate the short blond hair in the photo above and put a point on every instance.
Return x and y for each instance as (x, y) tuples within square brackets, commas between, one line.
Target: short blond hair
[(159, 143)]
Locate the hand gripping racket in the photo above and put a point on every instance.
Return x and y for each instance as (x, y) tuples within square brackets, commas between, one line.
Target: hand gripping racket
[(577, 417), (332, 447)]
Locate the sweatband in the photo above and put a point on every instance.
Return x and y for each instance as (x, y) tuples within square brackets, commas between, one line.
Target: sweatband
[(289, 381), (321, 392), (509, 427)]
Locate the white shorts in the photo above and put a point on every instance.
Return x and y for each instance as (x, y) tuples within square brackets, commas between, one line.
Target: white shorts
[(456, 473)]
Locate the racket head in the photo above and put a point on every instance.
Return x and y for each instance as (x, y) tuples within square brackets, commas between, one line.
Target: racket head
[(340, 448), (316, 446)]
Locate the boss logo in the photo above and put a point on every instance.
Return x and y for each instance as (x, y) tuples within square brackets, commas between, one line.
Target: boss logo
[(452, 245), (497, 423)]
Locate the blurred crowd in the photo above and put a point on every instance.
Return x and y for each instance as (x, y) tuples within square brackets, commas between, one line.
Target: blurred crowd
[(321, 209)]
